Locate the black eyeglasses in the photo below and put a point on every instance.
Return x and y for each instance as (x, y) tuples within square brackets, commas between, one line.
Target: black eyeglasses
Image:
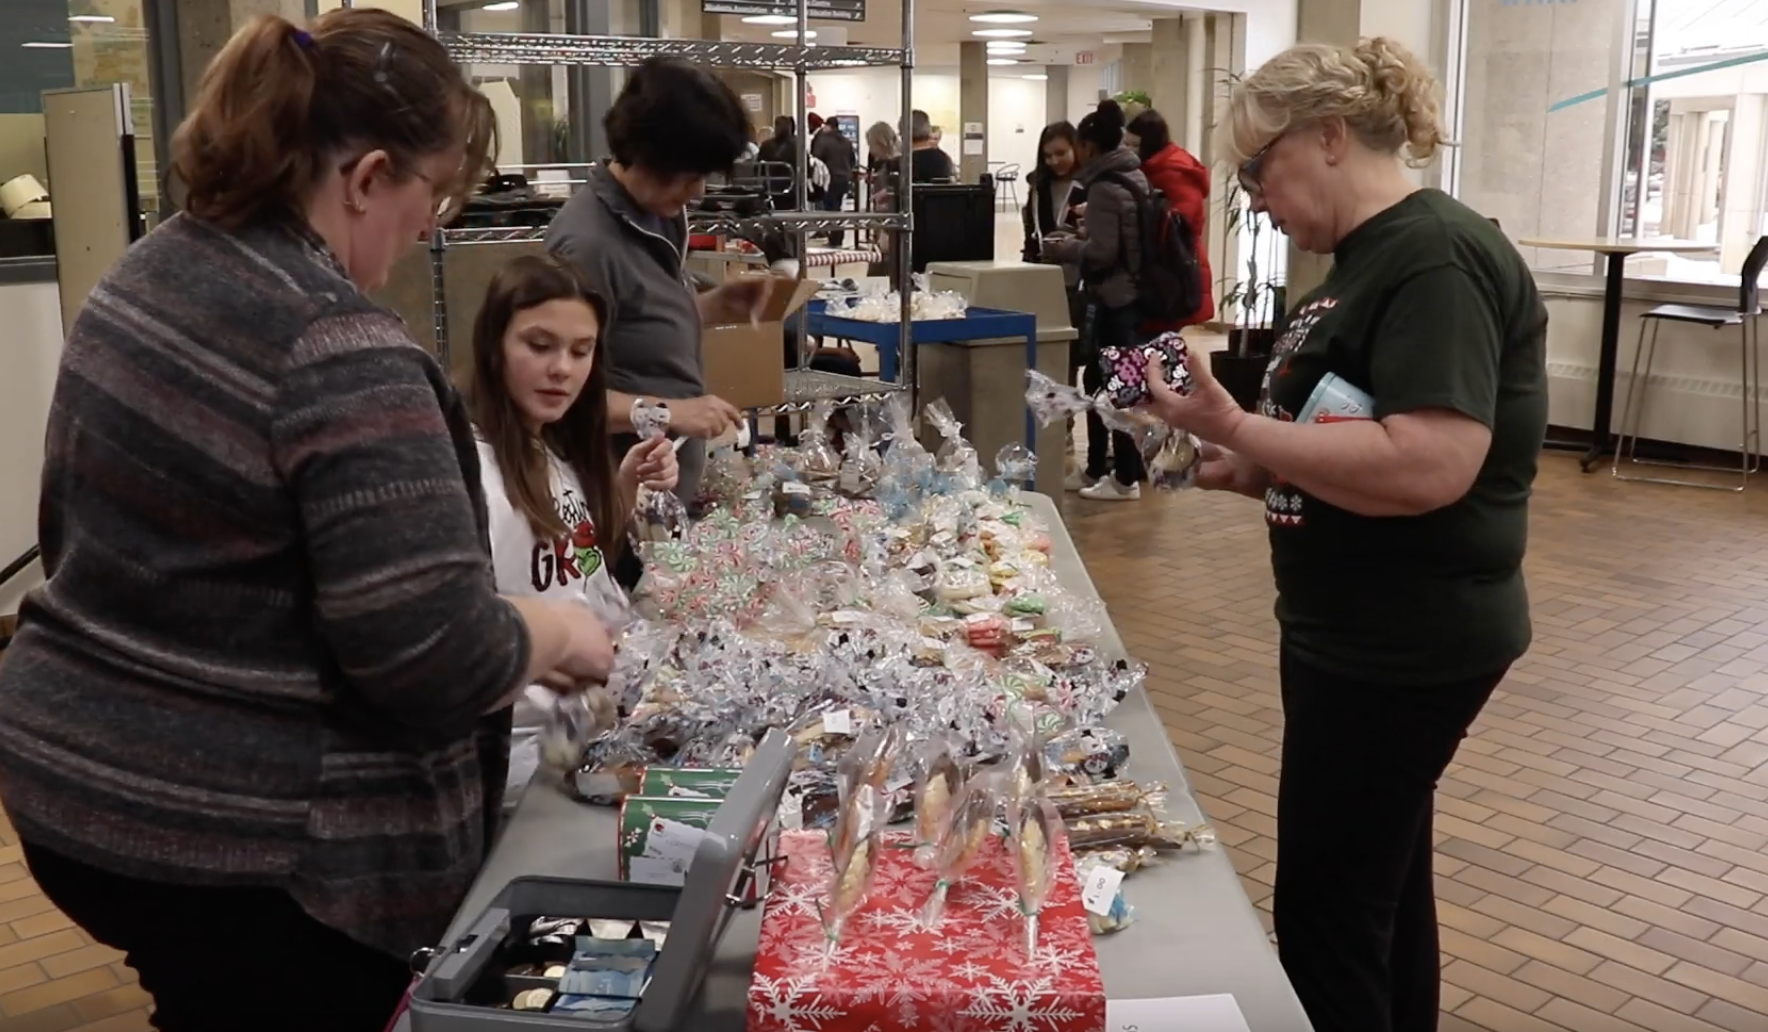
[(1252, 169)]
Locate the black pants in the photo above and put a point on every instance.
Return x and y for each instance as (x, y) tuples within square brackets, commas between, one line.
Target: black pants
[(1355, 902), (224, 959), (1115, 452), (833, 195)]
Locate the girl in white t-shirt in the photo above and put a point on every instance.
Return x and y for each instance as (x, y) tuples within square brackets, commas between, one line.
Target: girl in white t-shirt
[(558, 504)]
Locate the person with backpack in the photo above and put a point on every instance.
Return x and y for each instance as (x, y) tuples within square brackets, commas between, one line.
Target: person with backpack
[(1176, 174), (1109, 249)]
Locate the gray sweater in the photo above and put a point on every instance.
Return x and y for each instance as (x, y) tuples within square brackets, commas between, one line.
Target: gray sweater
[(1109, 252), (638, 263), (269, 633)]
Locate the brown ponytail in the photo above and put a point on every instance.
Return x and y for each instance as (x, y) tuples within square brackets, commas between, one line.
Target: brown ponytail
[(278, 104)]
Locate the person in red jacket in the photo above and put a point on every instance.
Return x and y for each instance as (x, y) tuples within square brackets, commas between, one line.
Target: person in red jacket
[(1184, 180)]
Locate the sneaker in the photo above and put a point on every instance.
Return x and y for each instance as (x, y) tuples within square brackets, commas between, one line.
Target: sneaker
[(1077, 481), (1109, 490)]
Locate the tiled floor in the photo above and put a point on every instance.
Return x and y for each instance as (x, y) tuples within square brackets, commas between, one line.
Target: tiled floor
[(1600, 840)]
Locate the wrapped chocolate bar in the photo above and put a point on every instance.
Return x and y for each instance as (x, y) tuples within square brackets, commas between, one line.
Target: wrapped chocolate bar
[(1103, 797), (1143, 827), (1033, 828), (962, 843), (1126, 369)]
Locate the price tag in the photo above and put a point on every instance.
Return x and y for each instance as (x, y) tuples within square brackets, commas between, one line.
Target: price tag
[(793, 487), (673, 840), (838, 722), (1100, 890), (1023, 626)]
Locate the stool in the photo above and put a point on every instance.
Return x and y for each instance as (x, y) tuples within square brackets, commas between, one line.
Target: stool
[(1008, 176), (1747, 317)]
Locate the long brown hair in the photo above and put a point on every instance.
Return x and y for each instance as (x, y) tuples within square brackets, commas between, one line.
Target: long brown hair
[(579, 437), (279, 103)]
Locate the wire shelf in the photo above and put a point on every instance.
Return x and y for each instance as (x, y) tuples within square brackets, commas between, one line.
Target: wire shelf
[(549, 49), (807, 388), (706, 222)]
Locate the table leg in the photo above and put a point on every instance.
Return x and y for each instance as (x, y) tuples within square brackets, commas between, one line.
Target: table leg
[(1601, 441)]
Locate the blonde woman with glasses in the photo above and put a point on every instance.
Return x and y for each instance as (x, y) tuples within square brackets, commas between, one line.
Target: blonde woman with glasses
[(1393, 448)]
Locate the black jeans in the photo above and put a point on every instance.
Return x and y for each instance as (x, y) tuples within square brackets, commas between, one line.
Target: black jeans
[(833, 195), (1115, 452), (1355, 902), (224, 959)]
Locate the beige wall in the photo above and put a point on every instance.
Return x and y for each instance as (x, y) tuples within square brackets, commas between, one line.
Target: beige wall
[(30, 351)]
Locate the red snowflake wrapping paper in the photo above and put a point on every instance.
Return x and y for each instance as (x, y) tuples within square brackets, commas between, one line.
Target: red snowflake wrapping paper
[(888, 974)]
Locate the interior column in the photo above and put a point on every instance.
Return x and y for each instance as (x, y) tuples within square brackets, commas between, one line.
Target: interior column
[(972, 131), (1056, 94), (1320, 21)]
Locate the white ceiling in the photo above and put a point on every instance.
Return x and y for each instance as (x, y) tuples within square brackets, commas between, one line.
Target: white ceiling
[(947, 22)]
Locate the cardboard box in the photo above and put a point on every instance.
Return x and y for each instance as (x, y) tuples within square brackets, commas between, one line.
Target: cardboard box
[(746, 363), (890, 974)]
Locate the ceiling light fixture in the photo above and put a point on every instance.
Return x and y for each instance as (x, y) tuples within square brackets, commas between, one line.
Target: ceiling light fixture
[(1004, 18), (770, 19), (45, 45), (1037, 78), (1006, 48), (502, 5), (92, 19), (1003, 61), (793, 34), (1001, 33)]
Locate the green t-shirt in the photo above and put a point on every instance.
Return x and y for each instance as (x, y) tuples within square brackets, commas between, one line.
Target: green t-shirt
[(1428, 306)]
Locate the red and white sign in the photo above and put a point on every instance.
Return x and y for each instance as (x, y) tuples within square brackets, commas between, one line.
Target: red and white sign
[(1083, 57), (890, 974)]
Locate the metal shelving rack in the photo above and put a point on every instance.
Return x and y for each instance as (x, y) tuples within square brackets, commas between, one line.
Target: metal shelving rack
[(804, 387)]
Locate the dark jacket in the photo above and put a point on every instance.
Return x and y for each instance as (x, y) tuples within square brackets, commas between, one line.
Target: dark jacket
[(269, 637), (1185, 182), (1109, 251), (835, 151), (638, 263)]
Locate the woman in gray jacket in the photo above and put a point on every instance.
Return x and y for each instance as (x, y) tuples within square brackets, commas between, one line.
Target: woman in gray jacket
[(1108, 250)]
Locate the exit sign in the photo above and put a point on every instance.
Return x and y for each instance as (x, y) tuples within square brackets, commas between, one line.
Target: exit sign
[(1085, 57)]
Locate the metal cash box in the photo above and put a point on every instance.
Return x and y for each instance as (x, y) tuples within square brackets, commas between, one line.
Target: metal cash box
[(727, 863)]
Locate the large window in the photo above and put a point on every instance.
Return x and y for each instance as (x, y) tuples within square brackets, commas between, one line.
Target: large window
[(1646, 118), (56, 44)]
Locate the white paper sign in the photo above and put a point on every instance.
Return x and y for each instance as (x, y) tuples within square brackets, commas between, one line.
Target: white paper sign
[(656, 870), (838, 722), (1217, 1013), (673, 840), (973, 147), (1100, 891)]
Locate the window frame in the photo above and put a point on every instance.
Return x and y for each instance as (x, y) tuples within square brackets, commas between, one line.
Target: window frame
[(1452, 39)]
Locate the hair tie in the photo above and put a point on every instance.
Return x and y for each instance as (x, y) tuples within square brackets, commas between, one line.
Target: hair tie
[(303, 39)]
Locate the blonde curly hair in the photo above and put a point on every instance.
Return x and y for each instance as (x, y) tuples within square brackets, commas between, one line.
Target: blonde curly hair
[(1382, 91)]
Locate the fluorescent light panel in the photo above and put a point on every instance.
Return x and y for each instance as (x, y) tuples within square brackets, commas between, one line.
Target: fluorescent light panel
[(793, 34), (1002, 61), (1037, 78), (91, 19), (1004, 18), (1001, 33), (770, 19), (45, 45)]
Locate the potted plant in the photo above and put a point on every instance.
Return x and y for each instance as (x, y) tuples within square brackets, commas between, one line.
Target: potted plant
[(1258, 301)]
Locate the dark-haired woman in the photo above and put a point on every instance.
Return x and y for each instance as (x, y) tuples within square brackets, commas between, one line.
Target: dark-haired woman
[(1049, 210), (1176, 173), (1108, 252), (672, 126), (557, 501), (253, 729)]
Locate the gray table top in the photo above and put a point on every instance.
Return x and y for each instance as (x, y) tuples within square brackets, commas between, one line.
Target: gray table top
[(1195, 932)]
